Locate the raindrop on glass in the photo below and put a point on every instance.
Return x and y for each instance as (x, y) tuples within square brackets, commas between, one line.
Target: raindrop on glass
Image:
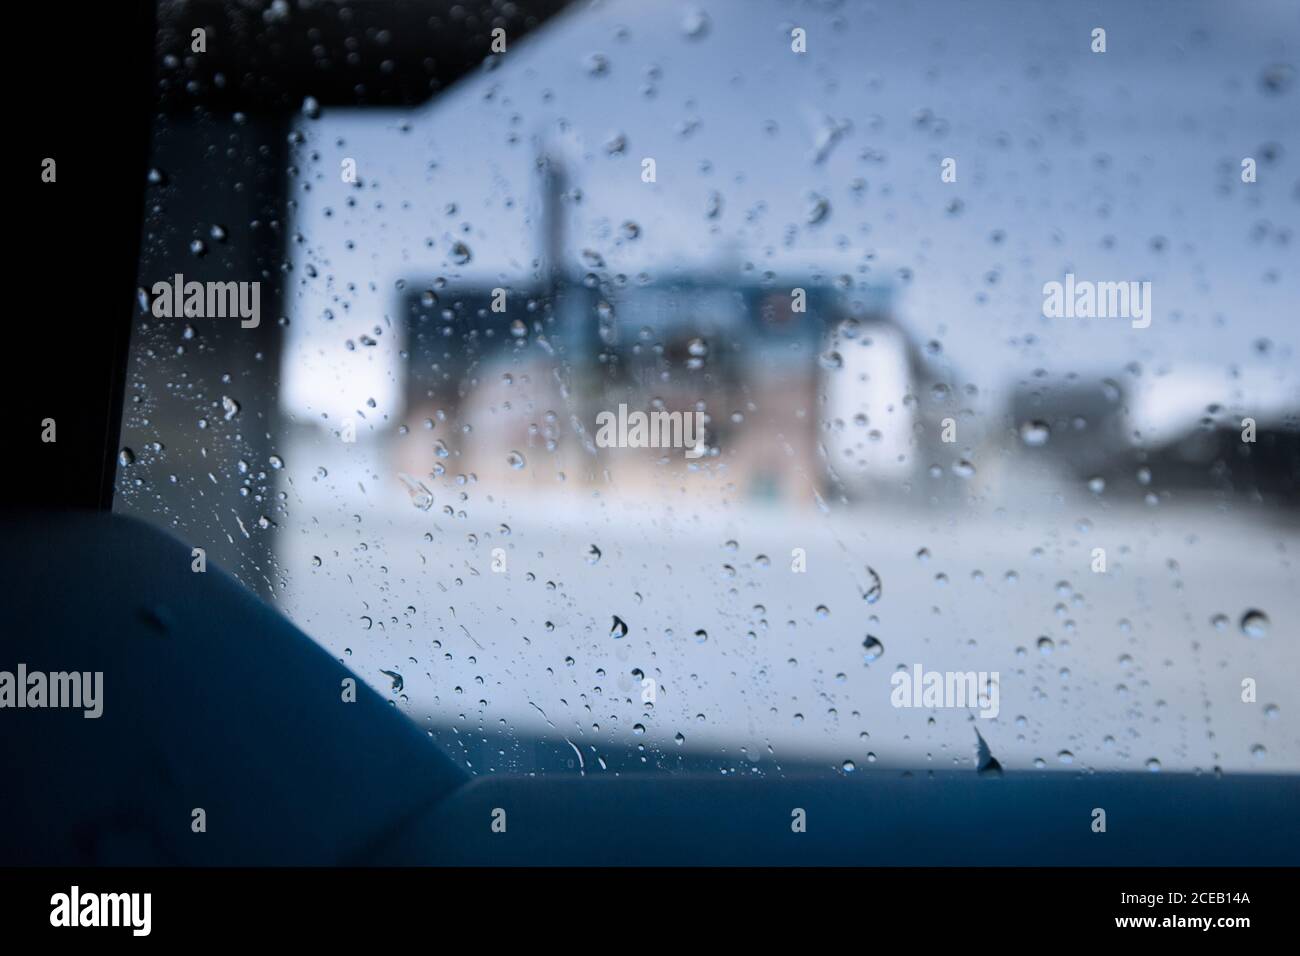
[(1035, 434), (875, 589), (1254, 624)]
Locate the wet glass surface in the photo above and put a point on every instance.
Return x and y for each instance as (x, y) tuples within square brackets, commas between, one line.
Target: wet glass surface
[(425, 452)]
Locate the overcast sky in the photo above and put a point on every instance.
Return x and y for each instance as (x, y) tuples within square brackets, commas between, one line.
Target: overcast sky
[(1116, 166)]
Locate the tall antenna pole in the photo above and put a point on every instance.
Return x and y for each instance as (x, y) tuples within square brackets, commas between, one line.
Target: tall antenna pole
[(554, 185)]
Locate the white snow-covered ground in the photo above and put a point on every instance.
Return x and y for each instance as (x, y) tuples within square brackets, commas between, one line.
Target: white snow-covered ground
[(1137, 670)]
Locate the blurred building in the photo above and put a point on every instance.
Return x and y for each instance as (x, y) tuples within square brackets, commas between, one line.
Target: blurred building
[(771, 361)]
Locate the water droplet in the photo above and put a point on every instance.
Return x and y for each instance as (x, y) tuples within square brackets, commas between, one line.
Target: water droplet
[(396, 678), (986, 764), (593, 554), (619, 628), (875, 590), (421, 496), (1046, 645), (616, 145), (516, 460), (831, 359), (1254, 624), (1277, 78), (1035, 433), (873, 648), (819, 208), (696, 24), (713, 205), (848, 766), (1153, 765), (1065, 757), (126, 457)]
